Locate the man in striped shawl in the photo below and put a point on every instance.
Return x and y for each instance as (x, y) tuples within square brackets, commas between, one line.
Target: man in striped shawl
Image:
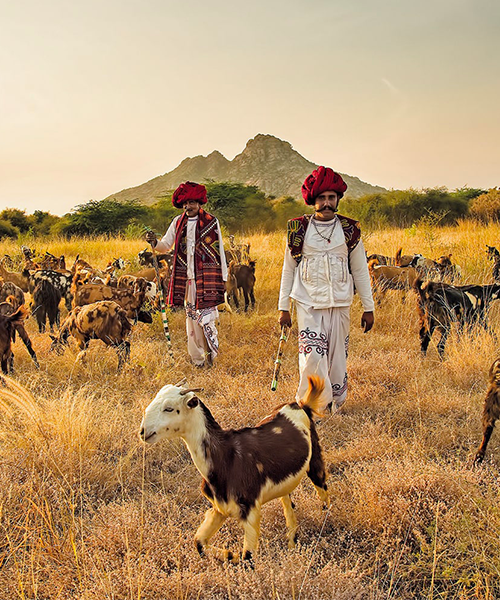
[(199, 269), (324, 259)]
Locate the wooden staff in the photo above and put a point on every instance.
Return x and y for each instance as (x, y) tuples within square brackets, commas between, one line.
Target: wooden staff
[(279, 356), (163, 308)]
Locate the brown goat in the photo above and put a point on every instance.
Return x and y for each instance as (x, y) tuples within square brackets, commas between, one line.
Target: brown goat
[(105, 321), (404, 260), (385, 278), (7, 325), (130, 300), (241, 277), (7, 308), (491, 410), (20, 279)]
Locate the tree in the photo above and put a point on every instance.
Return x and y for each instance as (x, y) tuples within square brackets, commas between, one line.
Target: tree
[(17, 218), (101, 217)]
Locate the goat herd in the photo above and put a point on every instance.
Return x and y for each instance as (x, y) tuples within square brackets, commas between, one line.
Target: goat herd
[(440, 304), (100, 303)]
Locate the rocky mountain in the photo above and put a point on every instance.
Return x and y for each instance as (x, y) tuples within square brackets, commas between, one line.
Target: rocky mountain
[(267, 162)]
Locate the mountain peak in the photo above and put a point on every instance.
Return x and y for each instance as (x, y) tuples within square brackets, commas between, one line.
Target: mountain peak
[(266, 162), (268, 141)]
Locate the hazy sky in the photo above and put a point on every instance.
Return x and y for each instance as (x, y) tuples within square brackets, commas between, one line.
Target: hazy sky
[(100, 95)]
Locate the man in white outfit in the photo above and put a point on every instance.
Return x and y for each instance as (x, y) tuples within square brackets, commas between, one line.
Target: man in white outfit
[(324, 260), (199, 269)]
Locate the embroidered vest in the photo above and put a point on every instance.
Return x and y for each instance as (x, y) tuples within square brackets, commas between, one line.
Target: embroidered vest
[(207, 263), (296, 233)]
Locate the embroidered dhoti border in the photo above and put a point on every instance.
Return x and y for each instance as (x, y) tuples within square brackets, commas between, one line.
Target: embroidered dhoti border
[(200, 327), (323, 345)]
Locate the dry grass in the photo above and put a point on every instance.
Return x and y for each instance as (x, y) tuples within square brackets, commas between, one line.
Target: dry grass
[(86, 513)]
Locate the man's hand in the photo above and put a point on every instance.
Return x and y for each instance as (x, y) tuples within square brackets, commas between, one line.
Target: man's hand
[(285, 319), (151, 238), (367, 320)]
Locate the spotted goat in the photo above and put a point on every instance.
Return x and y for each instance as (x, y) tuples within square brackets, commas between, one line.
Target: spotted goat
[(105, 321), (245, 468)]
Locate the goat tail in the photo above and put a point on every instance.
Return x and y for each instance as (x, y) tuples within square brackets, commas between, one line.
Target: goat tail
[(398, 257), (312, 399)]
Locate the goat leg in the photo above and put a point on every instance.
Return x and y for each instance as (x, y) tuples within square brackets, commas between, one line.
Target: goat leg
[(291, 520), (251, 527), (211, 524)]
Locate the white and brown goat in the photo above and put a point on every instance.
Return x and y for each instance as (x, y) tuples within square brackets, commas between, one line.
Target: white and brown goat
[(245, 468)]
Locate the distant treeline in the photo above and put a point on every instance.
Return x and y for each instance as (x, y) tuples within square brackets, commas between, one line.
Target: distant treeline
[(244, 209)]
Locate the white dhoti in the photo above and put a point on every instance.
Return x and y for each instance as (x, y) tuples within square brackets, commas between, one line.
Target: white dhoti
[(201, 331), (323, 345)]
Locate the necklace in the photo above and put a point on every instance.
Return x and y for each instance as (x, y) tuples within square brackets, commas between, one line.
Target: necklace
[(329, 235)]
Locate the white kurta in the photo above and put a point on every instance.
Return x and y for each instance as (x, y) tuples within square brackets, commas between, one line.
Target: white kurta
[(323, 290), (200, 323)]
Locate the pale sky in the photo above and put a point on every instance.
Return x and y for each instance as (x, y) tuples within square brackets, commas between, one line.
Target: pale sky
[(100, 95)]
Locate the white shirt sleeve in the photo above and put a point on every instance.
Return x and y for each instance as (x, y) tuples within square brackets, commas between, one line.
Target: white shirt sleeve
[(223, 264), (359, 271), (168, 240), (287, 277)]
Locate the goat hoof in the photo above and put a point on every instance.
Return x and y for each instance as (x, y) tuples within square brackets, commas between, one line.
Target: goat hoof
[(199, 548), (248, 562)]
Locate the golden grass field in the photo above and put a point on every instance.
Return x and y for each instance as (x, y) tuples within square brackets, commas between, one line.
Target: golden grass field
[(87, 512)]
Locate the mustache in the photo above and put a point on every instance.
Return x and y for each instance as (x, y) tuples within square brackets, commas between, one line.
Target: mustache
[(333, 208)]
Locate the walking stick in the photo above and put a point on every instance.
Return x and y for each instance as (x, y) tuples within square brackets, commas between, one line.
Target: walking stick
[(277, 362), (163, 308)]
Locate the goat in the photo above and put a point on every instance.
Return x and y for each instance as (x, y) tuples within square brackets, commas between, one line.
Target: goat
[(381, 259), (20, 279), (146, 258), (46, 299), (130, 300), (385, 278), (51, 262), (441, 304), (239, 253), (241, 277), (491, 410), (60, 280), (494, 255), (11, 289), (405, 259), (130, 282), (7, 308), (245, 468), (442, 267), (7, 324), (104, 320)]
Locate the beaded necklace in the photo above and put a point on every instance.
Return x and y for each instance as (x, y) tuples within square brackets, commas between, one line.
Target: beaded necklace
[(327, 237)]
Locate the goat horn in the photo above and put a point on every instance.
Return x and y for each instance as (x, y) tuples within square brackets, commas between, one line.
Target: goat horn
[(183, 392), (181, 382)]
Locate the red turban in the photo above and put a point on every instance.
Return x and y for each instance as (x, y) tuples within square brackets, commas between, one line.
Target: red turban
[(189, 191), (322, 179)]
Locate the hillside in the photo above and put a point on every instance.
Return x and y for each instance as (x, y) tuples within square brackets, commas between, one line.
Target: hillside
[(267, 162)]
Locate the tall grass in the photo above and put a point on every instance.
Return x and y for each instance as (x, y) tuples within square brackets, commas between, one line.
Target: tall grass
[(86, 512)]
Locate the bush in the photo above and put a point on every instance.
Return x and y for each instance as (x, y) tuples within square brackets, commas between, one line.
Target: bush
[(486, 207), (401, 208), (7, 230)]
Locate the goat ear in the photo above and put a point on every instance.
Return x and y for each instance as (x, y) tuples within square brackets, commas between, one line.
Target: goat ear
[(193, 402)]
